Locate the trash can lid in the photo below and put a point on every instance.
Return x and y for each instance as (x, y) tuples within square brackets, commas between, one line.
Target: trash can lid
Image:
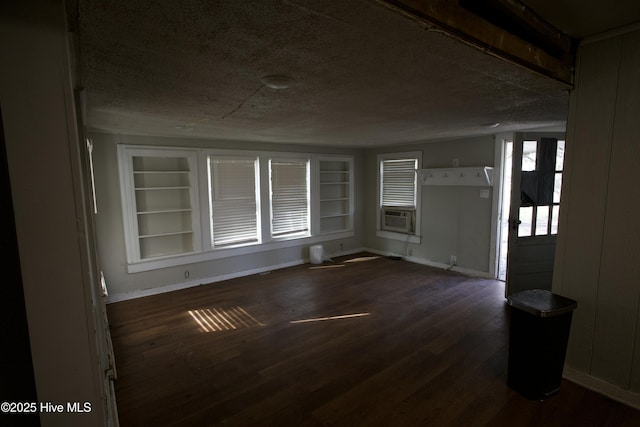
[(541, 303)]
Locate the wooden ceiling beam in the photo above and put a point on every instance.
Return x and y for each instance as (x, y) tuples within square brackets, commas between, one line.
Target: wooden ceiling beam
[(504, 28)]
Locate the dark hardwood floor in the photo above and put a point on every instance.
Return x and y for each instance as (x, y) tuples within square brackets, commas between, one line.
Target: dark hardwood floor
[(362, 341)]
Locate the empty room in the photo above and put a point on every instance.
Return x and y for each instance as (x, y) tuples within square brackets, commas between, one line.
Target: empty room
[(313, 213)]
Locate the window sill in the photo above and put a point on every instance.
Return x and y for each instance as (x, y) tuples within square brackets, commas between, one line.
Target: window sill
[(411, 238), (214, 254)]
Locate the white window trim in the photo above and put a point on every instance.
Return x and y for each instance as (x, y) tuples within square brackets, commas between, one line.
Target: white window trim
[(410, 238), (298, 235), (202, 218), (209, 196)]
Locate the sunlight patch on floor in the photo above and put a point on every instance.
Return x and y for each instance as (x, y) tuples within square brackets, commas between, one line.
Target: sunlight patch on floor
[(322, 267), (218, 319), (321, 319), (362, 259)]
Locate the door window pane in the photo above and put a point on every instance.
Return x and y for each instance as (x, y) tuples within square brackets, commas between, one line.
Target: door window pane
[(542, 220), (529, 154), (524, 229), (560, 155), (557, 187), (554, 219)]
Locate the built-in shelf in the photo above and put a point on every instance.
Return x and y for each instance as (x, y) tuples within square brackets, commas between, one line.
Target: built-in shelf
[(334, 216), (159, 172), (174, 233), (159, 201), (336, 182), (162, 188), (480, 176), (162, 211)]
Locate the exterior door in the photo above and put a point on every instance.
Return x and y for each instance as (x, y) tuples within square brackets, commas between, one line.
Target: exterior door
[(535, 205)]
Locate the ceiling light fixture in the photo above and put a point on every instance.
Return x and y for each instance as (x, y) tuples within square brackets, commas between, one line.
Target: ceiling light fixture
[(277, 81)]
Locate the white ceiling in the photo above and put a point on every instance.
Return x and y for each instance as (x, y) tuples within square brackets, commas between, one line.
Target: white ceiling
[(363, 75)]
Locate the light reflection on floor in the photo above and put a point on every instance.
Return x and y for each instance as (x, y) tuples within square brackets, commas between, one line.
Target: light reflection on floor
[(343, 263), (322, 267), (218, 319), (321, 319), (362, 259), (234, 318)]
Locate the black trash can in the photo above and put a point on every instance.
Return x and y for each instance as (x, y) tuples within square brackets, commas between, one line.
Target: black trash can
[(538, 336)]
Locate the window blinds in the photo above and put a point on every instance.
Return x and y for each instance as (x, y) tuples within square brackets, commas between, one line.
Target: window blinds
[(289, 197), (234, 204), (399, 182)]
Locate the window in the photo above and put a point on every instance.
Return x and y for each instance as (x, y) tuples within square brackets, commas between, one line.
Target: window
[(233, 194), (289, 197), (398, 178), (398, 196), (184, 205)]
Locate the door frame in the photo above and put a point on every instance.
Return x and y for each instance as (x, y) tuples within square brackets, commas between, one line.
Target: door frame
[(496, 208), (548, 239)]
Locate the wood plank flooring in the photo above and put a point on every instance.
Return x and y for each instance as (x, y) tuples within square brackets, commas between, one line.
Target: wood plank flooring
[(363, 341)]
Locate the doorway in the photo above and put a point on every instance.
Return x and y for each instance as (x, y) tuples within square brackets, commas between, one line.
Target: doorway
[(533, 209), (533, 165), (503, 234)]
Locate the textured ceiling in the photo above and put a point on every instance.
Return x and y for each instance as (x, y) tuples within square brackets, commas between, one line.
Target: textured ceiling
[(363, 74), (584, 18)]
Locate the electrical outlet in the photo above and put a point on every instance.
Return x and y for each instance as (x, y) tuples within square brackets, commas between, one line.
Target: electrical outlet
[(341, 246), (452, 260), (410, 252), (186, 274)]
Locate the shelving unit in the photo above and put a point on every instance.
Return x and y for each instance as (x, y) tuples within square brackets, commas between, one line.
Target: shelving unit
[(163, 205), (336, 200), (159, 202)]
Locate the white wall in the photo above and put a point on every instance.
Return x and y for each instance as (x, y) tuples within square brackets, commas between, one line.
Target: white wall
[(110, 230), (598, 251), (455, 220), (43, 156)]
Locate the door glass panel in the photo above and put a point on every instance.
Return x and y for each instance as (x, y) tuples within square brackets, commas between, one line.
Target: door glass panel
[(560, 155), (529, 152), (554, 219), (524, 229), (557, 187), (542, 220)]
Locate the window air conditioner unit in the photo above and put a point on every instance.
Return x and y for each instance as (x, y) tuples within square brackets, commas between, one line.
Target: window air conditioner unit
[(401, 220)]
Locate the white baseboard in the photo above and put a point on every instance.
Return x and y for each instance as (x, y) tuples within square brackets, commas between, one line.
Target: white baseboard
[(614, 392), (206, 280), (457, 269), (198, 282)]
